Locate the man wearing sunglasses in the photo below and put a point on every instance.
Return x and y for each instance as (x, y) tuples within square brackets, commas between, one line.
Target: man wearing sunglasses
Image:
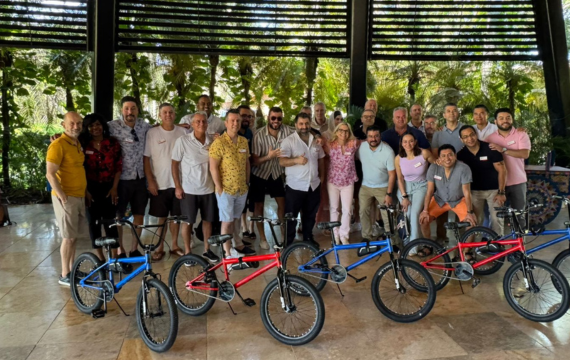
[(267, 174)]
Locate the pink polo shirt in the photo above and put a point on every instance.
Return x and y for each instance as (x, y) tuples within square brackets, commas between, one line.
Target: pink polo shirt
[(516, 140)]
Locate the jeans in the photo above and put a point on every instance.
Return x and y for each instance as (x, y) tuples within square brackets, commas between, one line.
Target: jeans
[(344, 194), (308, 201), (416, 191)]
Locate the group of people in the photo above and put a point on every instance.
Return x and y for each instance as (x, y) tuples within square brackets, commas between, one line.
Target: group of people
[(223, 169)]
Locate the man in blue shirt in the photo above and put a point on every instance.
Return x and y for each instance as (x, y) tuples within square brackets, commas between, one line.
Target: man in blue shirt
[(392, 136)]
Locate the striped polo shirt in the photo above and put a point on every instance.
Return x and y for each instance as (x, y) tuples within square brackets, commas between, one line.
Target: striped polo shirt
[(262, 143)]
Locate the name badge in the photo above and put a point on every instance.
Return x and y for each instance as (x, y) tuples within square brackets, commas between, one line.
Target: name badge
[(347, 153), (315, 149), (161, 141), (242, 150), (437, 177), (89, 152), (511, 142), (483, 158), (418, 165), (129, 140)]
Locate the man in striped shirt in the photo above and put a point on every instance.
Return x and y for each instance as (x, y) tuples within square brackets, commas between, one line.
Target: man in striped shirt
[(267, 174)]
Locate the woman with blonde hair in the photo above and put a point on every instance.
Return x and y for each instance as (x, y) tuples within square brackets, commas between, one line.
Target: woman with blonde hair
[(341, 177)]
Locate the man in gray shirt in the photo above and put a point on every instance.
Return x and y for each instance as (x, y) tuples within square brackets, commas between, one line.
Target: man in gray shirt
[(451, 183), (450, 132)]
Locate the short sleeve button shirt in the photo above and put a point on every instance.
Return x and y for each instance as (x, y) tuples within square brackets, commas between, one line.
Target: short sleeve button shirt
[(449, 190), (70, 158), (485, 176), (262, 143), (233, 158), (447, 136), (515, 140), (302, 177), (487, 130), (194, 164), (132, 146), (376, 164)]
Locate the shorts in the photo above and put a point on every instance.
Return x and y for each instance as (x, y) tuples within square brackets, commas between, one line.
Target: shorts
[(164, 204), (133, 192), (259, 187), (207, 204), (71, 217), (230, 206), (460, 209)]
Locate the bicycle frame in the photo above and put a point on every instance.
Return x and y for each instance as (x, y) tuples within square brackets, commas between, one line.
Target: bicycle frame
[(117, 287)]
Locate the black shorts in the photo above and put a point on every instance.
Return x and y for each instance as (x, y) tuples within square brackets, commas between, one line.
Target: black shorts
[(133, 192), (259, 187), (207, 204), (249, 204), (164, 204)]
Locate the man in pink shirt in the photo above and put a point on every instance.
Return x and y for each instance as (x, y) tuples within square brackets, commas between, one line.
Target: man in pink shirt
[(515, 146)]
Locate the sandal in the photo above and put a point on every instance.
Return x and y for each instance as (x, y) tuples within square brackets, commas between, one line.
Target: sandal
[(177, 252), (471, 260), (423, 253), (157, 256)]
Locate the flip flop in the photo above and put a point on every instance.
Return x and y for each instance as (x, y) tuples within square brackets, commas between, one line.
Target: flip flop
[(177, 252), (158, 255)]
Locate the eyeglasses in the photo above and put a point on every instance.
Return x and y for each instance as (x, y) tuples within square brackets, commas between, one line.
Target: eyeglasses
[(278, 118), (343, 131), (134, 134), (468, 136), (368, 117), (246, 116)]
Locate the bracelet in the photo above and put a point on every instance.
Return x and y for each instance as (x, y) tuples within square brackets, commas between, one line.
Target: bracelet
[(405, 196), (501, 192)]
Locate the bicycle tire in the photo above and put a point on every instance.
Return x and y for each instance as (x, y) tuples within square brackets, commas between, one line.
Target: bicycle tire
[(552, 279), (481, 253), (440, 277), (180, 274), (292, 254), (85, 306), (271, 307), (562, 263), (421, 286), (159, 344)]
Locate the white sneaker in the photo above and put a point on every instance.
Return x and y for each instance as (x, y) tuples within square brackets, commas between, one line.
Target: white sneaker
[(356, 227), (264, 245), (375, 231), (229, 266), (234, 253)]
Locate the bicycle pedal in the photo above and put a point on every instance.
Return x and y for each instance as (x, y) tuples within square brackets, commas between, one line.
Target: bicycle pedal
[(99, 313), (249, 302), (476, 281), (361, 279)]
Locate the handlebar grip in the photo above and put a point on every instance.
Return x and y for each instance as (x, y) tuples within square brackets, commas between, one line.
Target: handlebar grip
[(256, 218)]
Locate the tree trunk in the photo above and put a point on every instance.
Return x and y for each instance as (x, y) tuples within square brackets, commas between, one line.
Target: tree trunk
[(246, 71), (69, 104), (214, 61), (511, 95), (311, 74), (136, 92), (6, 138)]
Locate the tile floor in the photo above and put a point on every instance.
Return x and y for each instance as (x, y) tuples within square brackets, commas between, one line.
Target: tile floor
[(38, 319)]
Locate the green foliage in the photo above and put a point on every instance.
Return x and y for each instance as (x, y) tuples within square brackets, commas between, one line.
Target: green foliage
[(28, 152)]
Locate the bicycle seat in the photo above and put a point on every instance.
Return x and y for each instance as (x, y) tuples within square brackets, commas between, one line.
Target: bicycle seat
[(504, 214), (566, 223), (328, 225), (107, 241), (456, 225), (289, 216), (219, 239)]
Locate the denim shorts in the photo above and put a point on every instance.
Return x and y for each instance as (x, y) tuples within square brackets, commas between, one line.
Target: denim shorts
[(230, 206)]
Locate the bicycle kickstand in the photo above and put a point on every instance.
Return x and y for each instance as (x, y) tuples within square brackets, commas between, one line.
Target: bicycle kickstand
[(120, 307), (231, 309), (461, 286), (339, 290)]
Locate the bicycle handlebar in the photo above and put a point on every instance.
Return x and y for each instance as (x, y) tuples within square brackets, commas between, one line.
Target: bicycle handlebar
[(563, 198)]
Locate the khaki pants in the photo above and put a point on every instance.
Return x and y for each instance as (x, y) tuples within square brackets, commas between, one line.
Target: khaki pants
[(365, 198), (479, 198)]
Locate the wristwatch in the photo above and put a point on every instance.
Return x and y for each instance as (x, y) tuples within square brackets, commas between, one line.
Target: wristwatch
[(389, 194), (504, 149), (470, 212)]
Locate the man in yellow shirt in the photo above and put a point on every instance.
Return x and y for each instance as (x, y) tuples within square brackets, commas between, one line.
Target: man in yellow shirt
[(230, 169), (66, 176)]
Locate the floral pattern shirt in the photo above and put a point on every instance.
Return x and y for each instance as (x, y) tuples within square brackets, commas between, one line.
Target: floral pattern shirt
[(342, 170), (132, 146), (102, 165)]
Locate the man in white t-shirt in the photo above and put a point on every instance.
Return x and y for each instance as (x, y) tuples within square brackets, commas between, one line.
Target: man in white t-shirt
[(193, 182), (158, 171), (215, 124)]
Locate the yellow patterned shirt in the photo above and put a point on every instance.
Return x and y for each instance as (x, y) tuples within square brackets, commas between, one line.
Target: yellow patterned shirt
[(233, 161)]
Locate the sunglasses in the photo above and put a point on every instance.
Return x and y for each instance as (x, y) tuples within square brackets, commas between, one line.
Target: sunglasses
[(278, 118), (134, 134)]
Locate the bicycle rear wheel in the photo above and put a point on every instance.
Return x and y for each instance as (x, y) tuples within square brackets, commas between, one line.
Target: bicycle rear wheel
[(483, 234), (158, 321), (300, 324), (403, 291), (562, 263), (87, 299), (421, 250), (301, 253), (544, 299), (195, 302)]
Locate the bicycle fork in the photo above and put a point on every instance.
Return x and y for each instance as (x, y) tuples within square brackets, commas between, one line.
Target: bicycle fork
[(286, 303), (529, 282), (395, 269)]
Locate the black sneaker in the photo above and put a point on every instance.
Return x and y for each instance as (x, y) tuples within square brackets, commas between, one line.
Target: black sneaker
[(246, 243), (135, 253), (125, 268), (210, 256), (64, 280), (246, 234), (247, 251)]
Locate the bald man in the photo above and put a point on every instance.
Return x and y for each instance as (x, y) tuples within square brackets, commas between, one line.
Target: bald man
[(66, 176)]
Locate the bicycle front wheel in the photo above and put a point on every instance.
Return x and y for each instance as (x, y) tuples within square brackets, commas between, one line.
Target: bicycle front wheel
[(403, 291), (195, 302), (300, 323), (421, 250), (543, 295), (483, 234), (562, 263), (85, 298), (158, 320)]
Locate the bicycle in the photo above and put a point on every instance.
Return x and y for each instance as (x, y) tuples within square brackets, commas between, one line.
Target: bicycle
[(403, 279), (284, 302), (93, 286), (525, 284)]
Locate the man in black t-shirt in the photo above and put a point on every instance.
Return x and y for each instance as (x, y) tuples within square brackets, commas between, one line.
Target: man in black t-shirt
[(489, 175)]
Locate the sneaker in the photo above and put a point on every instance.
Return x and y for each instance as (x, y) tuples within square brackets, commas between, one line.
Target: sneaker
[(246, 234), (264, 245), (125, 268), (246, 243), (64, 280), (246, 251), (135, 253), (356, 227), (229, 266), (252, 235), (210, 256), (375, 231)]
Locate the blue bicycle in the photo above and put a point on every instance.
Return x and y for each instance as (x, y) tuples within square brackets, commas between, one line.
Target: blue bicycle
[(93, 286), (402, 290)]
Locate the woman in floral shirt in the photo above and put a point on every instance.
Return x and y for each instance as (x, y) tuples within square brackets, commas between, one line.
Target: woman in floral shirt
[(103, 165), (341, 149)]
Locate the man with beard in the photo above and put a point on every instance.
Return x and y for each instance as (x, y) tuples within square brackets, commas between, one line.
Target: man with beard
[(303, 159), (267, 174), (430, 127), (378, 177), (66, 175), (215, 124), (245, 131), (359, 129), (392, 136), (515, 147), (158, 170), (246, 117), (416, 122), (131, 134)]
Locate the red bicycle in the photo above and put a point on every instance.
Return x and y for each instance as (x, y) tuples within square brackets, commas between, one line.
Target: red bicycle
[(292, 309), (533, 288)]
